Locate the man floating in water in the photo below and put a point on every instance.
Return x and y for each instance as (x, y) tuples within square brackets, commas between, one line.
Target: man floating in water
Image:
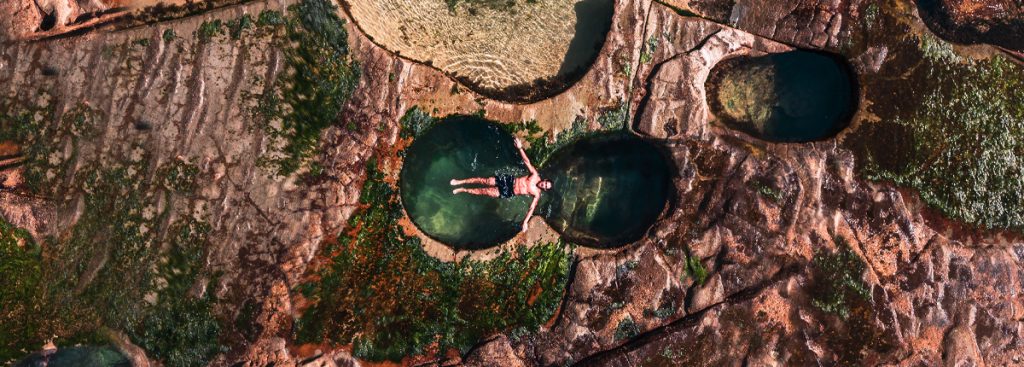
[(505, 186)]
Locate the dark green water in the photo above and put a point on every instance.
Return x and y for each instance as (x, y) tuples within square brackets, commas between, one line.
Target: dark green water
[(796, 96), (607, 190), (461, 147), (85, 356)]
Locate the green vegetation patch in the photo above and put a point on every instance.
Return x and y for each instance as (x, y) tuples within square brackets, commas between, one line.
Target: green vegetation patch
[(43, 136), (650, 47), (309, 96), (20, 277), (696, 269), (179, 176), (626, 329), (949, 125), (838, 281), (111, 269), (179, 329), (382, 293), (210, 29), (239, 25), (851, 325), (962, 145)]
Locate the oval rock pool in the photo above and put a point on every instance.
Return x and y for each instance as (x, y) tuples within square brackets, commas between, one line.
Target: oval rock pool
[(796, 96), (607, 191)]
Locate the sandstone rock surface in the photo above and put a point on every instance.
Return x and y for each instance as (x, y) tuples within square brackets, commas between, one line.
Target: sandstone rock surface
[(754, 215)]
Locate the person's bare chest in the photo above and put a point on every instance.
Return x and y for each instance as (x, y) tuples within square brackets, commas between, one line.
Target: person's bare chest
[(522, 186)]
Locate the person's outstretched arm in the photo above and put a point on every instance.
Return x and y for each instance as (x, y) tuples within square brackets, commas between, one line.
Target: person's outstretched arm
[(519, 145), (529, 214)]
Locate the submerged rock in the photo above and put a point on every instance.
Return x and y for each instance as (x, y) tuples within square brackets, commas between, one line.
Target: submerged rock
[(608, 190), (794, 96)]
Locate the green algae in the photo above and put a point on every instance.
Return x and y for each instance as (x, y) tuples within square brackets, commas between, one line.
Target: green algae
[(179, 329), (30, 125), (210, 29), (961, 145), (309, 96), (100, 273), (650, 47), (696, 269), (239, 25), (97, 272), (838, 281), (380, 292), (20, 276), (169, 35), (948, 125), (839, 292), (626, 329), (179, 176)]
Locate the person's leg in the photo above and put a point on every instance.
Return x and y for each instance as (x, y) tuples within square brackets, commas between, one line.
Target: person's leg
[(488, 181), (485, 191)]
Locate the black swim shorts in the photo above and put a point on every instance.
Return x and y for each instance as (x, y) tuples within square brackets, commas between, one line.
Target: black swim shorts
[(506, 185)]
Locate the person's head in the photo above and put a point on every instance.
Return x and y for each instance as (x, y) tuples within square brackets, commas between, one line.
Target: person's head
[(545, 185)]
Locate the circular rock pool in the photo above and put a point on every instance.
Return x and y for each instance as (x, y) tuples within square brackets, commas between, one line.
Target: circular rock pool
[(461, 147), (607, 190), (795, 96), (520, 51)]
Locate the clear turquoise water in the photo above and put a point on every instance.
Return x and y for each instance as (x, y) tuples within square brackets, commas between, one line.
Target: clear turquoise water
[(607, 190)]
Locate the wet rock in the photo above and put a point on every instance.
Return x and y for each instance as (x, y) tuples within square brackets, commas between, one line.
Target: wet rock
[(749, 215), (492, 351), (997, 22), (812, 23)]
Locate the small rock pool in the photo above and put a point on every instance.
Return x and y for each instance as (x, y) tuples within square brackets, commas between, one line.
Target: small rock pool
[(607, 192), (90, 356), (796, 96)]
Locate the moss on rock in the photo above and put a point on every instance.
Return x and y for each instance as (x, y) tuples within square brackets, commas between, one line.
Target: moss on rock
[(380, 292)]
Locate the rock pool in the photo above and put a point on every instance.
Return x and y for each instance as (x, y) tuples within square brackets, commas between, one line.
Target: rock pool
[(607, 190), (796, 96), (86, 356)]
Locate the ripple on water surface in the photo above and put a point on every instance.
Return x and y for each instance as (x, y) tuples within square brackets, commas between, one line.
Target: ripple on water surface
[(516, 50), (796, 96), (607, 190)]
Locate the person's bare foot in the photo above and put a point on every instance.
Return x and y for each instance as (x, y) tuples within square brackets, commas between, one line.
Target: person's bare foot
[(453, 182), (458, 190)]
